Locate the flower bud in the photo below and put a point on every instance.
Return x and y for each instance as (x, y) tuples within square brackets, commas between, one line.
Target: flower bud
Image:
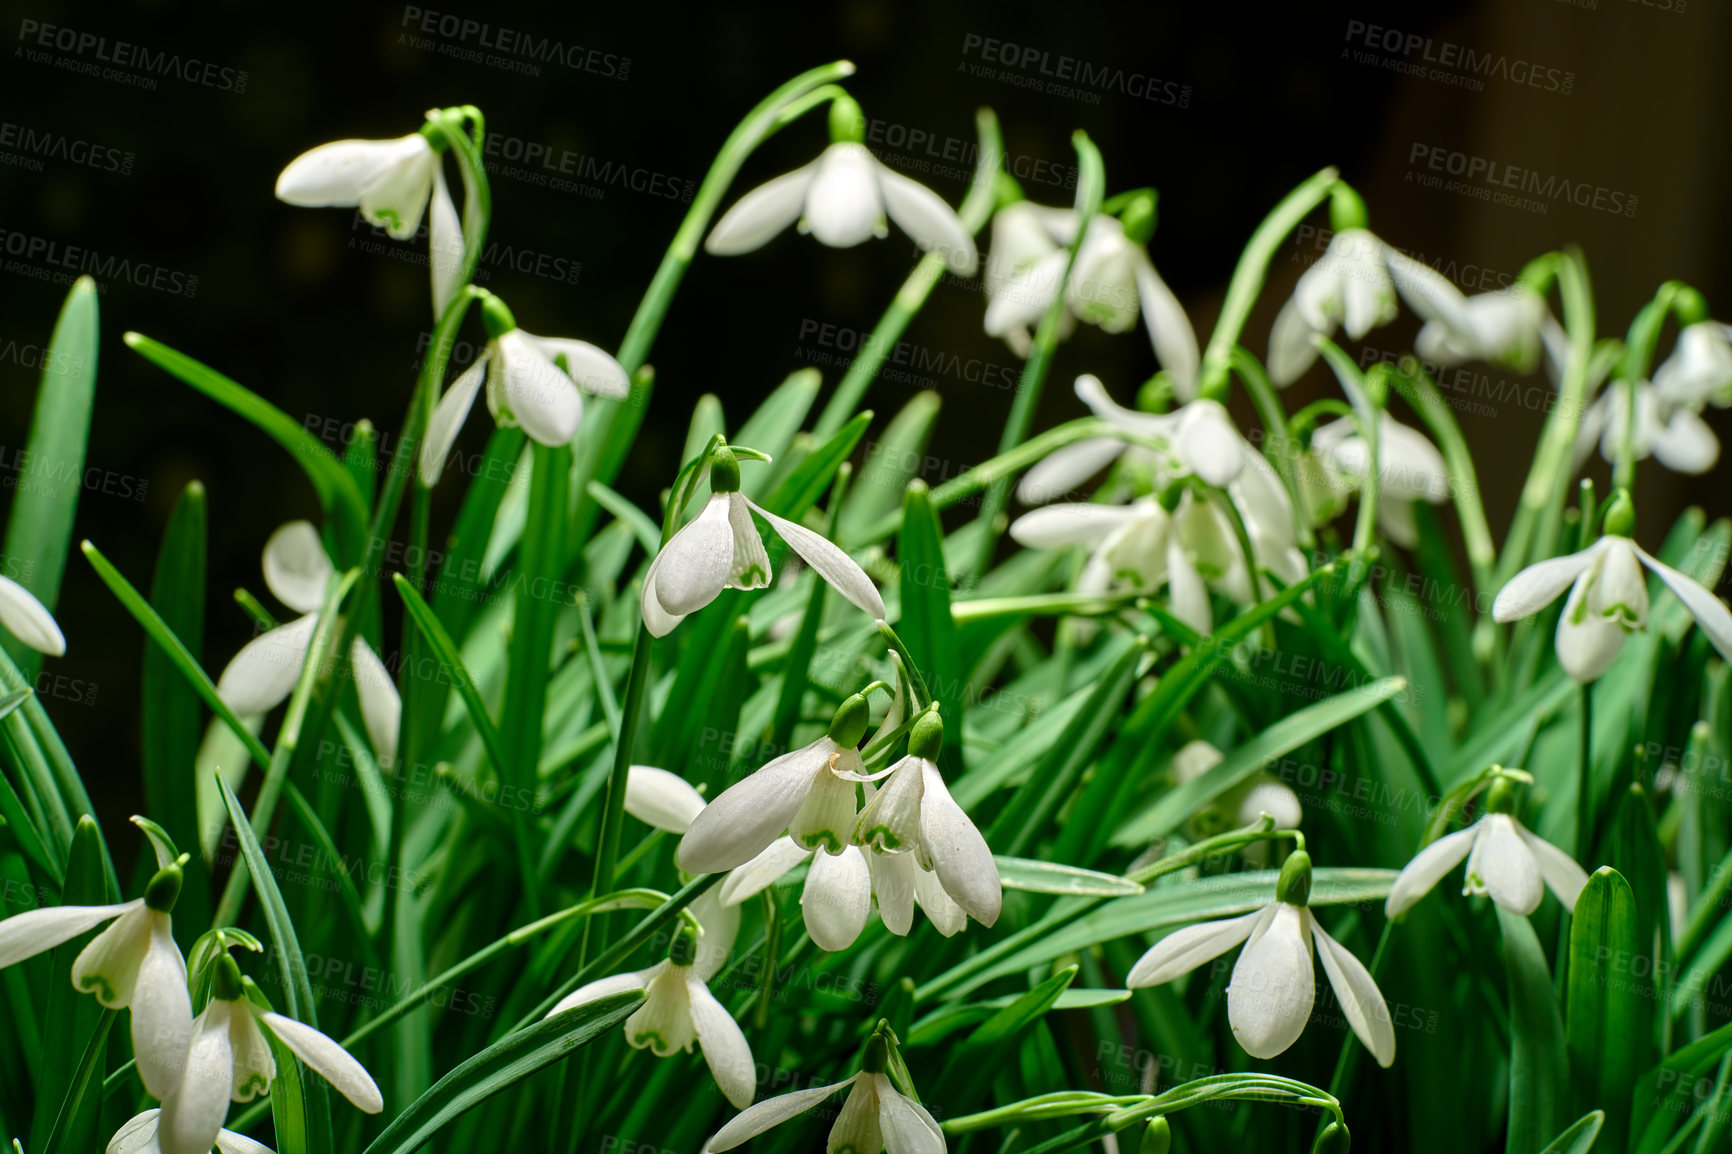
[(225, 980), (1346, 208), (876, 1059), (683, 948), (496, 317), (1158, 1138), (1621, 517), (847, 122), (1294, 884), (724, 471), (1333, 1140), (928, 736), (164, 889), (1500, 798), (849, 724), (1138, 218)]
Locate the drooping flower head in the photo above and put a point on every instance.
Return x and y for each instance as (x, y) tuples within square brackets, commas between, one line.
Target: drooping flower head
[(29, 620), (841, 199), (1409, 469), (534, 382)]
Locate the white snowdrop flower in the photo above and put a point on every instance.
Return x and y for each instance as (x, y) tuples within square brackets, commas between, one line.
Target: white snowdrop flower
[(1608, 600), (1023, 269), (138, 1136), (1112, 283), (678, 1009), (1409, 469), (875, 1117), (1504, 861), (28, 619), (1273, 987), (392, 182), (230, 1060), (1130, 545), (722, 549), (842, 199), (1699, 368), (1501, 328), (913, 812), (808, 792), (1669, 428), (1349, 286), (263, 674), (1258, 794), (535, 382), (133, 964)]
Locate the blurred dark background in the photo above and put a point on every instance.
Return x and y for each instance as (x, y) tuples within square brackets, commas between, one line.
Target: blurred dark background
[(1222, 107)]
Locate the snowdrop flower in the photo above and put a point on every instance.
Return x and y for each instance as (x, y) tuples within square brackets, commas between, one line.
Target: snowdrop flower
[(1242, 805), (1669, 427), (1023, 268), (722, 549), (28, 619), (1700, 367), (841, 199), (876, 1116), (535, 382), (230, 1059), (1500, 328), (1608, 600), (914, 813), (1270, 996), (138, 1136), (1349, 286), (263, 674), (808, 792), (1131, 545), (678, 1009), (133, 964), (1504, 860), (1409, 469), (392, 182), (1112, 283)]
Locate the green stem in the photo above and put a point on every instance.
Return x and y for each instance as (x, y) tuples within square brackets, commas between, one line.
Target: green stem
[(1585, 780), (613, 808), (1279, 447), (1417, 389)]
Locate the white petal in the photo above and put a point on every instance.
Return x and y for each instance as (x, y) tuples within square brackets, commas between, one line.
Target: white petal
[(893, 876), (693, 566), (136, 1135), (27, 934), (398, 197), (905, 1130), (770, 1112), (296, 566), (1539, 585), (939, 907), (1023, 299), (1710, 612), (194, 1110), (1559, 869), (928, 220), (263, 673), (1061, 471), (1685, 443), (1169, 328), (1502, 866), (856, 1127), (1360, 998), (761, 872), (445, 239), (537, 392), (108, 966), (844, 205), (1409, 465), (960, 856), (721, 926), (28, 619), (837, 898), (1428, 292), (254, 1066), (829, 562), (662, 799), (657, 620), (724, 1045), (592, 368), (890, 819), (602, 987), (750, 568), (381, 708), (338, 174), (761, 213), (1209, 445), (1586, 644), (335, 1064), (1290, 349), (1187, 595), (1057, 526), (1421, 875), (1184, 950), (747, 816), (161, 1012), (447, 420), (1269, 999), (228, 1142)]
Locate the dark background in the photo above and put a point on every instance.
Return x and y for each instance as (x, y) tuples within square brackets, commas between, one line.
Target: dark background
[(323, 317)]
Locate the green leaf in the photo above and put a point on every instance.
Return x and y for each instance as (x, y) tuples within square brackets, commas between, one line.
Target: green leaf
[(924, 621), (1539, 1068), (1609, 1015), (892, 460), (297, 989), (1579, 1138), (1277, 741), (39, 530), (807, 482), (170, 717), (71, 1018), (501, 1066), (771, 429), (939, 1024), (338, 495), (1045, 877), (969, 1069)]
